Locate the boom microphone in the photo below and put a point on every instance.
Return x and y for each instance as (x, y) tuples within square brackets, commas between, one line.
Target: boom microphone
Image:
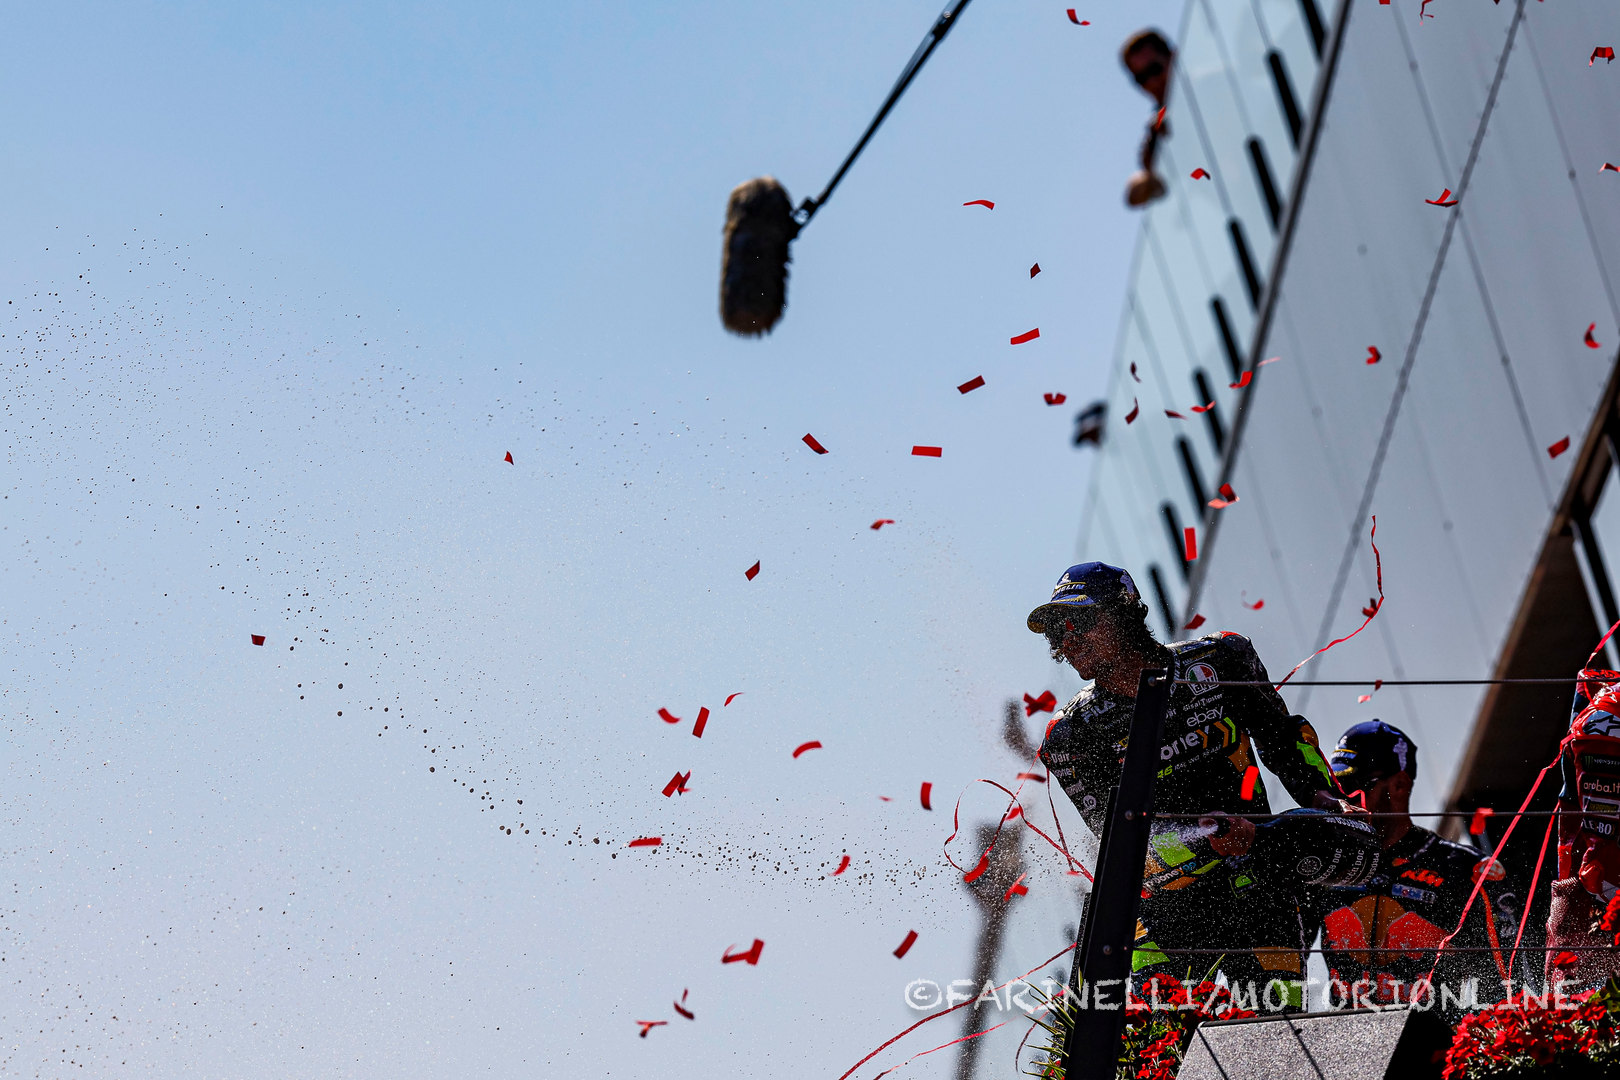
[(761, 221)]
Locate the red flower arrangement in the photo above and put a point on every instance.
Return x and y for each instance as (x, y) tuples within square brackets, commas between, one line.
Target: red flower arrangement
[(1159, 1022), (1549, 1036)]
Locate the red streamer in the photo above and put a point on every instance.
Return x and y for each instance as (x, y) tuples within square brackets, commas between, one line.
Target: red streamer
[(668, 717), (1027, 336), (1378, 605), (811, 441), (1444, 195), (986, 203), (648, 1025), (1251, 776), (841, 867), (733, 697), (1134, 375), (813, 744), (680, 1006), (1135, 408), (1016, 889), (880, 522)]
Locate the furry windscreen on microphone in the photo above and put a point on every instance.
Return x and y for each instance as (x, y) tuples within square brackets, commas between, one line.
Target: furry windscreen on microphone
[(753, 269)]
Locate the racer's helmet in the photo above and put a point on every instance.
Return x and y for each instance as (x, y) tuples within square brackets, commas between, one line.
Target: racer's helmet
[(1316, 848)]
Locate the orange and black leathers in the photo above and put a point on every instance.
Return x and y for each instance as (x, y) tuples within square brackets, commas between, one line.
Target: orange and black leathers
[(1211, 735), (1414, 901)]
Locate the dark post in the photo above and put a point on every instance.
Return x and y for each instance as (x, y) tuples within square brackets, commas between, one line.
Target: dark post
[(1109, 928)]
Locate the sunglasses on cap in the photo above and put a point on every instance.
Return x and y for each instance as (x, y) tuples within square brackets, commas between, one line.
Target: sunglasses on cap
[(1152, 71)]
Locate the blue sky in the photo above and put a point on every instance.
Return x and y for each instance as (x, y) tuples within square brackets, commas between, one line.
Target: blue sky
[(284, 285)]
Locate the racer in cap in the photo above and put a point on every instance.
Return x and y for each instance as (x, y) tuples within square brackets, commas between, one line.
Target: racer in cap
[(1097, 623), (1381, 940), (1578, 924)]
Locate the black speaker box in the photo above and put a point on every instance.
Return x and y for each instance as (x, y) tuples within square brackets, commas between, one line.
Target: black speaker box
[(1365, 1044)]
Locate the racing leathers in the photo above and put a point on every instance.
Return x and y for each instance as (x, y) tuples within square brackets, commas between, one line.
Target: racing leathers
[(1211, 735), (1579, 929), (1380, 941)]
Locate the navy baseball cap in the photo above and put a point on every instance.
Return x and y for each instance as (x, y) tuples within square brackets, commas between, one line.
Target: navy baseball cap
[(1371, 751), (1088, 585)]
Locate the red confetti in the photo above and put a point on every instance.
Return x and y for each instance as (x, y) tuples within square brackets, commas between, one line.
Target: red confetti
[(668, 717), (1558, 447), (509, 460), (1035, 776), (1029, 336), (1172, 414), (1476, 824), (733, 697), (1421, 13), (971, 385), (927, 790), (1251, 776), (926, 451), (841, 867), (813, 744), (702, 721), (1602, 52), (1055, 399), (1045, 703), (986, 203), (1189, 540), (1194, 623), (1378, 684), (258, 639), (978, 871), (1226, 498), (1362, 699), (1444, 195), (648, 1025), (1606, 167), (1016, 889), (1034, 269), (880, 522), (1372, 606), (1074, 18), (1200, 174), (751, 572), (1014, 812), (749, 957), (680, 1006), (1373, 355), (1135, 408), (1203, 408), (647, 841), (1134, 375), (1268, 360), (677, 783), (905, 946), (1591, 342), (812, 443), (1256, 606), (1565, 959), (1243, 380)]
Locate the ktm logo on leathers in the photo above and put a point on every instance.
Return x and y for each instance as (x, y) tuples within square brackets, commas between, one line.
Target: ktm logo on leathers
[(1427, 877)]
